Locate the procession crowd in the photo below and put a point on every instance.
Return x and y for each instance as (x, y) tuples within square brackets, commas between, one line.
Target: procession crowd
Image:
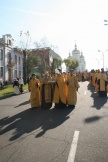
[(61, 88)]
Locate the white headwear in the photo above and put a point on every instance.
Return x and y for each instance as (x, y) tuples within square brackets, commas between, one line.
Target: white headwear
[(57, 71)]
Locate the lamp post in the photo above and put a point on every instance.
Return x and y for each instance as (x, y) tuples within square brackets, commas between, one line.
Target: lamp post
[(98, 62), (102, 56)]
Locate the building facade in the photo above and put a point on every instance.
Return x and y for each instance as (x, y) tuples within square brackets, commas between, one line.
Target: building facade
[(78, 56), (11, 59), (46, 55)]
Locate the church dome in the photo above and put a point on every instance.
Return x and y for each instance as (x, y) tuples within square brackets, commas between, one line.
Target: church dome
[(81, 56), (75, 51), (69, 56)]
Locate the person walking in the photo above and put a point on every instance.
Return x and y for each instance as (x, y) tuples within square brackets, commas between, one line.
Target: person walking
[(73, 86), (60, 93), (102, 83), (79, 76), (21, 83), (46, 91), (34, 89), (16, 86)]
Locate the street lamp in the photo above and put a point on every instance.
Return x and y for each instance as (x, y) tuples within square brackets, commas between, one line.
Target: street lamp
[(106, 21), (103, 56)]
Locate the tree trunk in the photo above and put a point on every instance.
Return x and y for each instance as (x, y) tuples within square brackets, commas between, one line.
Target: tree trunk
[(24, 67)]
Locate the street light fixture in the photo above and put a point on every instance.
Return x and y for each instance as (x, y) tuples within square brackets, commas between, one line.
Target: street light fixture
[(103, 55), (106, 21)]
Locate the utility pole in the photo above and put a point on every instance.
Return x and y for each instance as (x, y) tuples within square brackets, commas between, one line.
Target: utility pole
[(102, 56)]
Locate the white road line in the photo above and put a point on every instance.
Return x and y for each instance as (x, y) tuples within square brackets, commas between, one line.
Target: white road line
[(85, 92), (73, 148)]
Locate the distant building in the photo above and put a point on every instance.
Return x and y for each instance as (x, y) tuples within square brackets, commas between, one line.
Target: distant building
[(46, 55), (11, 59), (78, 56)]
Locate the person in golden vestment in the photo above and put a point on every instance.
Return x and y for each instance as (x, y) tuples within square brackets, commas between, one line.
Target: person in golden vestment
[(92, 77), (86, 76), (54, 76), (34, 88), (60, 93), (73, 86), (46, 91), (79, 76), (97, 76), (102, 82)]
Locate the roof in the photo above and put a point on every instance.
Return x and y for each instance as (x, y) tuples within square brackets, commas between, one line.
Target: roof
[(75, 51), (82, 56)]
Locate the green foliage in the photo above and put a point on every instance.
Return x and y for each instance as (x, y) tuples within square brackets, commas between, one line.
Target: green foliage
[(6, 90), (31, 63), (56, 63), (9, 90), (71, 64)]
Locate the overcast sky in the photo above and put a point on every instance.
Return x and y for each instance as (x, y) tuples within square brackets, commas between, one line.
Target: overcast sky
[(61, 22)]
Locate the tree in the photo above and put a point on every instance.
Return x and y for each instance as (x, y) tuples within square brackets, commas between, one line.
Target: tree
[(10, 65), (56, 63), (24, 42), (71, 64), (43, 43), (32, 62)]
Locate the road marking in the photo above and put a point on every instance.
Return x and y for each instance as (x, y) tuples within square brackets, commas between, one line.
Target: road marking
[(85, 92), (73, 148)]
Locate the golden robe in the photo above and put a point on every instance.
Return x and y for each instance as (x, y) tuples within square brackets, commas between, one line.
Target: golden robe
[(54, 79), (34, 88), (103, 84), (60, 93), (92, 78), (86, 75), (72, 89), (46, 92), (79, 76), (95, 79)]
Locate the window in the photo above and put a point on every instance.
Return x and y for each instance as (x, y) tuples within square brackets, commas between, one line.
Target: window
[(19, 73), (19, 61), (10, 42), (9, 57), (15, 59), (1, 71), (23, 61), (15, 74), (1, 54)]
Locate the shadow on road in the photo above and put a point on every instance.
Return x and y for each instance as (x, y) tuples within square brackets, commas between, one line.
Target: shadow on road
[(92, 119), (90, 88), (30, 120), (98, 102), (56, 118), (23, 103)]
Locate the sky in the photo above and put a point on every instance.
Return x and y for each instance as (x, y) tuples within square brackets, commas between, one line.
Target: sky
[(61, 23)]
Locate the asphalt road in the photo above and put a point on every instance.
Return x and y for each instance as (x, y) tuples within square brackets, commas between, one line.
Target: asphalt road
[(55, 135)]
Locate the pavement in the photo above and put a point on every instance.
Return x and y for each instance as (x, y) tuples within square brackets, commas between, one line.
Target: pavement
[(47, 135)]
